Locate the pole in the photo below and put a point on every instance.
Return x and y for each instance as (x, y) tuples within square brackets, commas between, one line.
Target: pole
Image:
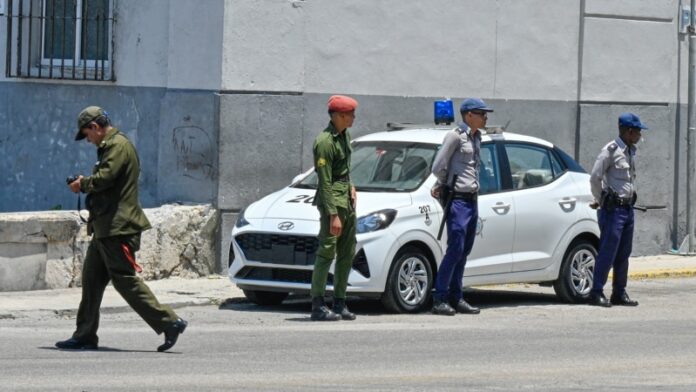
[(691, 130)]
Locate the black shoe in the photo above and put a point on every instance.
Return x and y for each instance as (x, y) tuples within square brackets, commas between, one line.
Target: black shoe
[(75, 344), (443, 309), (340, 308), (171, 334), (599, 300), (623, 300), (320, 312), (462, 306)]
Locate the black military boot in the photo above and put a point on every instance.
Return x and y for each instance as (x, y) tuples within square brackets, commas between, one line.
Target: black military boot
[(340, 308), (322, 313)]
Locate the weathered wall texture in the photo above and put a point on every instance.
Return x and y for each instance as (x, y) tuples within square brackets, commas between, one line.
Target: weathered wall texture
[(46, 250), (223, 98)]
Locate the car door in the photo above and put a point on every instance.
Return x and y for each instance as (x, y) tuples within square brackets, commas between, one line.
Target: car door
[(545, 197), (492, 252)]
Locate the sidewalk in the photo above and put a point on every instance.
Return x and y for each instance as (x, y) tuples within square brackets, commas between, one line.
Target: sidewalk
[(215, 289)]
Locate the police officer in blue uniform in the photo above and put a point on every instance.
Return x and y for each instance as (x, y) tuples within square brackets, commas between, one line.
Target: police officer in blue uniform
[(613, 186), (459, 156)]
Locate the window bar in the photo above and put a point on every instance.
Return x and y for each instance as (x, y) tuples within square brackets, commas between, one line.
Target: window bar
[(62, 46), (53, 35), (83, 39), (19, 38), (42, 19), (31, 22), (106, 49), (96, 54), (111, 57), (74, 52), (8, 60)]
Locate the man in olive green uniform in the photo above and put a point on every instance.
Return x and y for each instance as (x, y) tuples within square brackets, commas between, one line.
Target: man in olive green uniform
[(335, 199), (115, 221)]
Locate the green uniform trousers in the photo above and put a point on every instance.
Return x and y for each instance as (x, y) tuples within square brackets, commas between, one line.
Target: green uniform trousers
[(107, 259), (342, 248)]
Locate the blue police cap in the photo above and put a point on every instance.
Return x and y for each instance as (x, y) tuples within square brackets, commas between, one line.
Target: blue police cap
[(474, 104), (631, 120)]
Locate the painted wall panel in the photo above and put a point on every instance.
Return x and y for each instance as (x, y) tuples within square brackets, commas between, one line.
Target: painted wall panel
[(664, 9), (627, 60)]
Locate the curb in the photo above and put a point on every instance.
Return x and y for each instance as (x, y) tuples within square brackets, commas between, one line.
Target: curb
[(663, 273)]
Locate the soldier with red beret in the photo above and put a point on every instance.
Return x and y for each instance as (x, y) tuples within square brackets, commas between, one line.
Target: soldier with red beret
[(335, 199)]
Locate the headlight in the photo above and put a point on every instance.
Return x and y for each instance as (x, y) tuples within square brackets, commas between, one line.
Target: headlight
[(376, 221), (241, 221)]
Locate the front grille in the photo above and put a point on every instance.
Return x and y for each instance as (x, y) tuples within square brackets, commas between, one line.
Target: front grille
[(278, 248), (278, 275)]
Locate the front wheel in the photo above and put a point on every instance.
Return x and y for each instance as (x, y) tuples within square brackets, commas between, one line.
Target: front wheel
[(265, 297), (575, 278), (409, 283)]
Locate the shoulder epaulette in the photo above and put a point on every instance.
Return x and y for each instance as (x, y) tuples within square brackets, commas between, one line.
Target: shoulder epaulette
[(612, 146)]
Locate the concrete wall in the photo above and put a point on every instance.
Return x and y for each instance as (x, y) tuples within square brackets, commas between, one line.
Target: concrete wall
[(46, 250), (230, 94)]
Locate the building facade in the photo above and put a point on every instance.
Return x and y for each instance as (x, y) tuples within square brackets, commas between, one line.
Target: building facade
[(224, 98)]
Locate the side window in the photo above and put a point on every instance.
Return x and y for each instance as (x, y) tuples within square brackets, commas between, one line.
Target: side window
[(489, 175), (531, 166)]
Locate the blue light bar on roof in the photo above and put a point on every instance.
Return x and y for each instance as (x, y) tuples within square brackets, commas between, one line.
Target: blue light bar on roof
[(444, 112)]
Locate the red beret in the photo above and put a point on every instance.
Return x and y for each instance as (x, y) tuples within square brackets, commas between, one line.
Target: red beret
[(342, 103)]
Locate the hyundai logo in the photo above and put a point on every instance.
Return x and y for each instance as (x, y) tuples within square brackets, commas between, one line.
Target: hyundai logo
[(285, 226)]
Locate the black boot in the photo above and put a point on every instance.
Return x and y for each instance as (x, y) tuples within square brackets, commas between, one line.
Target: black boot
[(171, 334), (442, 308), (321, 313), (340, 308), (462, 306)]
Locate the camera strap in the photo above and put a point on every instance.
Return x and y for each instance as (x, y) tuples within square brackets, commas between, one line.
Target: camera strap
[(79, 208)]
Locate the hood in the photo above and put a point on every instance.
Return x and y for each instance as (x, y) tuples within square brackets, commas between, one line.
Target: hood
[(296, 203)]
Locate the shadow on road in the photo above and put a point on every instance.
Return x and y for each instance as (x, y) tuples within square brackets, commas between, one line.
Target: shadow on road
[(485, 298)]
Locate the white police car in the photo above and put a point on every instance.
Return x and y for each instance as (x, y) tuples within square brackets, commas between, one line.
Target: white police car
[(535, 223)]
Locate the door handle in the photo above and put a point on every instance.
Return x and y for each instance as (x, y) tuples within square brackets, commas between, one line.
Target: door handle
[(500, 208), (567, 203)]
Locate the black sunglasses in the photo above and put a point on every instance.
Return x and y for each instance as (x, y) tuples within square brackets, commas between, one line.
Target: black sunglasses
[(479, 112)]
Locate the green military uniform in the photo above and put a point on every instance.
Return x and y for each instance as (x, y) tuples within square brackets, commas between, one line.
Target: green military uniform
[(332, 163), (116, 221)]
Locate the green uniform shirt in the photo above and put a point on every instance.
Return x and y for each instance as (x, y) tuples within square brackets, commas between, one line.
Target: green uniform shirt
[(112, 189), (332, 163)]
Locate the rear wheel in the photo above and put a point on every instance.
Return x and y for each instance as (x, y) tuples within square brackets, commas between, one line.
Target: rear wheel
[(575, 278), (409, 283), (265, 297)]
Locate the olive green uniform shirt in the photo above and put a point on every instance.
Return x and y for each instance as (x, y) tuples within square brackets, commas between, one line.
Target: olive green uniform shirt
[(112, 189), (332, 163)]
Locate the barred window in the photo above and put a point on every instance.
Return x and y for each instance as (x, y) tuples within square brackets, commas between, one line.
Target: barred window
[(60, 39)]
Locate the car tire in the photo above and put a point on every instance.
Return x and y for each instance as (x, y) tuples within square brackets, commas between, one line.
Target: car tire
[(265, 297), (575, 277), (409, 283)]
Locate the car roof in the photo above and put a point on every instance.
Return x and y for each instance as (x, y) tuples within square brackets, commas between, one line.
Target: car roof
[(435, 134)]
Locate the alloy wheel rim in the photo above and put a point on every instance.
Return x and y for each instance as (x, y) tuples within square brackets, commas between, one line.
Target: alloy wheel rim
[(582, 271), (413, 281)]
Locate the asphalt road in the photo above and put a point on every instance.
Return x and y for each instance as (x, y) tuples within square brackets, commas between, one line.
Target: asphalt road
[(524, 339)]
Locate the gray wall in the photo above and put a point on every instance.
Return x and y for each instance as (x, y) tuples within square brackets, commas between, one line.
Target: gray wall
[(223, 98)]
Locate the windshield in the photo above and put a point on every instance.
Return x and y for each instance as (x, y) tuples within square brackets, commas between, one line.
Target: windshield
[(385, 166)]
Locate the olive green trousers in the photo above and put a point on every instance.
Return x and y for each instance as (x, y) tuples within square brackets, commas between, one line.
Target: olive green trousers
[(342, 248), (113, 259)]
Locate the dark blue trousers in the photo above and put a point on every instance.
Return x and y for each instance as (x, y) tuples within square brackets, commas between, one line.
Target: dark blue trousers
[(615, 244), (461, 232)]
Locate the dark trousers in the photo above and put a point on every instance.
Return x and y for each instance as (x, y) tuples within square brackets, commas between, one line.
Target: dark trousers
[(108, 260), (615, 244), (341, 247), (461, 232)]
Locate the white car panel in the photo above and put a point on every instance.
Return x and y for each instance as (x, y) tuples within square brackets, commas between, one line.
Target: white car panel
[(523, 235)]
